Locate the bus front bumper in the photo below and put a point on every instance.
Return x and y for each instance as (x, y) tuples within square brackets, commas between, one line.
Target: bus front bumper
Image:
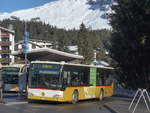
[(56, 99)]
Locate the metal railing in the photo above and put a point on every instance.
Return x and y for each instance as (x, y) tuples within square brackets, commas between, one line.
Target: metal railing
[(7, 43), (141, 92), (5, 51)]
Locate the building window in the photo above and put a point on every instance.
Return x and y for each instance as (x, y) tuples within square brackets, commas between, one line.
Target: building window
[(49, 46), (5, 39), (33, 46), (5, 56), (5, 47), (4, 63)]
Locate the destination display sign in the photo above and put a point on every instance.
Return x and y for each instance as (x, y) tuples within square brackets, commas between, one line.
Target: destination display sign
[(10, 69), (46, 66), (48, 72)]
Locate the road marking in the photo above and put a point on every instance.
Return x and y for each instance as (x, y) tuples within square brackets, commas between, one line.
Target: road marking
[(14, 103), (110, 109)]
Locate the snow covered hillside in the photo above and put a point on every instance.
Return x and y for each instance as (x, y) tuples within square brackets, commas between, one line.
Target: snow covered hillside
[(68, 14)]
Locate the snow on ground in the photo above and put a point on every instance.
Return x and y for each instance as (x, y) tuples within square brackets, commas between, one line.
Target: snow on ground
[(120, 90)]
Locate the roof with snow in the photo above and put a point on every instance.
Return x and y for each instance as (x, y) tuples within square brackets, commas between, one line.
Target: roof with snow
[(8, 30), (48, 54), (100, 63)]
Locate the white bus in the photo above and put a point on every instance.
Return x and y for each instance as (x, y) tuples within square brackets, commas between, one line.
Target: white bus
[(10, 76)]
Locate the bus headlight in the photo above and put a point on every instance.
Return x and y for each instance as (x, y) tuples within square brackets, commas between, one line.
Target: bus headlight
[(30, 94)]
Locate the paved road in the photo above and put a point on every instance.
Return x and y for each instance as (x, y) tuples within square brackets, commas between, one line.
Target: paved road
[(109, 105), (122, 107), (81, 107)]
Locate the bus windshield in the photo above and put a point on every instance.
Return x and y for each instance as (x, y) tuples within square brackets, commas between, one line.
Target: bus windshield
[(10, 75), (44, 75)]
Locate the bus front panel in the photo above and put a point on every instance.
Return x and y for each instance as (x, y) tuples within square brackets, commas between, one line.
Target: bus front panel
[(10, 77)]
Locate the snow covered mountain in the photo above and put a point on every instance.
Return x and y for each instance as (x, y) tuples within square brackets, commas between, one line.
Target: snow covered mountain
[(68, 14)]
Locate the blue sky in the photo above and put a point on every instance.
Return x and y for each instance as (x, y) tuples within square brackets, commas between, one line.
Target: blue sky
[(13, 5)]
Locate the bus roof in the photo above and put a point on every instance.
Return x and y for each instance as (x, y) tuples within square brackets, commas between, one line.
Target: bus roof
[(64, 63), (14, 65)]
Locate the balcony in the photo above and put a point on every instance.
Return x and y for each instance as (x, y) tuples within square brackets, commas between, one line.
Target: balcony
[(5, 60), (5, 51), (4, 35), (5, 43)]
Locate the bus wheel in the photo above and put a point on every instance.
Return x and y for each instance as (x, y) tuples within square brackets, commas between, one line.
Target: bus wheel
[(30, 101), (75, 97), (101, 95)]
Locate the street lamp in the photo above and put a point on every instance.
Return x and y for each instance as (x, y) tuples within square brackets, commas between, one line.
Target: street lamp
[(95, 53)]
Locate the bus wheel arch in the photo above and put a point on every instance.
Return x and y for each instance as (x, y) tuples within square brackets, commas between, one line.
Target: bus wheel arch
[(101, 94), (30, 101), (75, 96)]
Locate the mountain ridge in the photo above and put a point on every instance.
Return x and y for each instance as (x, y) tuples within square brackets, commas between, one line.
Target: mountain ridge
[(67, 14)]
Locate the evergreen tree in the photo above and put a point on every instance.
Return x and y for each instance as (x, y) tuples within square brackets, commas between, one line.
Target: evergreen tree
[(85, 46), (131, 41), (62, 41), (87, 40)]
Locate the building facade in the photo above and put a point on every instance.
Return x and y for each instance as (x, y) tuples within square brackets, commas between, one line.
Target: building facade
[(44, 50), (7, 44), (33, 44)]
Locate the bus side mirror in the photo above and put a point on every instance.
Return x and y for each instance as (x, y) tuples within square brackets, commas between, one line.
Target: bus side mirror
[(63, 88)]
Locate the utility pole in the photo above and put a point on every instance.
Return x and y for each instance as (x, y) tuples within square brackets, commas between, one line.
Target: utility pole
[(25, 47), (25, 44)]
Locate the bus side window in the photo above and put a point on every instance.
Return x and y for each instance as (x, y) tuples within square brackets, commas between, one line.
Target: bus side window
[(100, 77), (108, 78), (98, 80), (74, 79), (78, 79), (82, 78), (69, 78), (66, 78), (103, 78)]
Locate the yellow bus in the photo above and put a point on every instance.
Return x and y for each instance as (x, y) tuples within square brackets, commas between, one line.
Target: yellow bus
[(66, 82), (10, 76)]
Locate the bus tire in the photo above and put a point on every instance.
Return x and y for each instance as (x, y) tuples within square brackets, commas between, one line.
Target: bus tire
[(75, 96), (30, 101), (101, 95)]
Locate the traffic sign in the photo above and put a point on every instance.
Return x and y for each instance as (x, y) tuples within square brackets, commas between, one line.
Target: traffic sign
[(25, 39)]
